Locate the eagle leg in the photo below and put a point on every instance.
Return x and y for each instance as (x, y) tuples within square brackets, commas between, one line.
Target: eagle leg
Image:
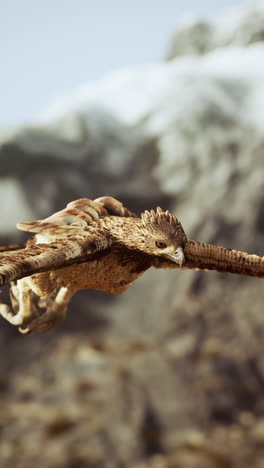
[(22, 304), (54, 314)]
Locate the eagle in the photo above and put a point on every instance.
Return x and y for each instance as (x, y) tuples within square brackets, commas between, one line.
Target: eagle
[(99, 244)]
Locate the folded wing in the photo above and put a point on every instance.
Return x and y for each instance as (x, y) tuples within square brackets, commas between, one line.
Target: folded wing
[(64, 238)]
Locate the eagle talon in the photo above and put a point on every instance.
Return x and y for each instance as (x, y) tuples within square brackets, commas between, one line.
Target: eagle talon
[(44, 323)]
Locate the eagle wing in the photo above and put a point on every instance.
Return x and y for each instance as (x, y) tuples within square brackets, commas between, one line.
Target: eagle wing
[(67, 237), (77, 214), (203, 256)]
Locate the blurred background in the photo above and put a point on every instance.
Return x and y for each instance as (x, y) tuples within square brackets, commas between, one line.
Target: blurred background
[(154, 103)]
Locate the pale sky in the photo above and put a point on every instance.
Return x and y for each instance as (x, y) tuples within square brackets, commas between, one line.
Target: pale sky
[(49, 47)]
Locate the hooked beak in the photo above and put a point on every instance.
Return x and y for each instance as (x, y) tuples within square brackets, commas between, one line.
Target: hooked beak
[(178, 256)]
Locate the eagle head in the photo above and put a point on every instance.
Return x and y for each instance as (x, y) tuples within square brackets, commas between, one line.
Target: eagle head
[(163, 235)]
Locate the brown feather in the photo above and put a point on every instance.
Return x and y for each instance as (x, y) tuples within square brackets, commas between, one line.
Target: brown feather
[(101, 245)]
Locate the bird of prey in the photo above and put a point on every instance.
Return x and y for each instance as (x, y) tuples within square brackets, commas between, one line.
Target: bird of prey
[(102, 245)]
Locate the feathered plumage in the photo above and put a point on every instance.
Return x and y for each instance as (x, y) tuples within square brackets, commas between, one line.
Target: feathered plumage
[(99, 244)]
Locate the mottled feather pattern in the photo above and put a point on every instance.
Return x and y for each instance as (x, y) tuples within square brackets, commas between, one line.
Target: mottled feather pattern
[(99, 244), (168, 224)]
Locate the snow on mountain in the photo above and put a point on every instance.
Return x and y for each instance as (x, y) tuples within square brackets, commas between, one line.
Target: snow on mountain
[(237, 26), (164, 123), (188, 104), (131, 94)]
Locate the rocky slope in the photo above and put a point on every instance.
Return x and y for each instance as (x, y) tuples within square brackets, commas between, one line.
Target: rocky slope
[(171, 374)]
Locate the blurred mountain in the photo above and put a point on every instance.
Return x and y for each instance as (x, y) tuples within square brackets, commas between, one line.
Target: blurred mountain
[(237, 27), (170, 374)]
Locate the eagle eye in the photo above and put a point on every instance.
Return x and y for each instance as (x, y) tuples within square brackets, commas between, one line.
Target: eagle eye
[(161, 245)]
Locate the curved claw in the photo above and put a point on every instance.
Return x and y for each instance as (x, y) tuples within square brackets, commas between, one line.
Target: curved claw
[(44, 323), (21, 313), (54, 314)]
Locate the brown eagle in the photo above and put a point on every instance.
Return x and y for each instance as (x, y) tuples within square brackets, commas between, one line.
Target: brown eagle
[(99, 244)]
